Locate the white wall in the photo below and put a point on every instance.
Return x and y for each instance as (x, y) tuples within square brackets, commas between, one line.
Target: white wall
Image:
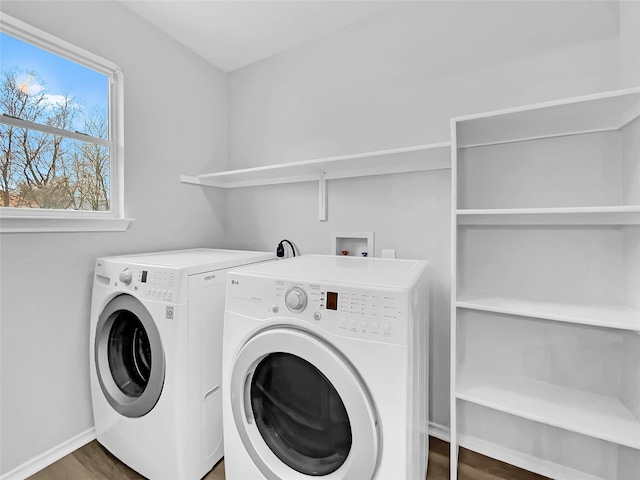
[(629, 43), (46, 278), (395, 81)]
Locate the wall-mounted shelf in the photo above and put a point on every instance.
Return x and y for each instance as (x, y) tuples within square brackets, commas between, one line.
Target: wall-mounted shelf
[(614, 215), (418, 158)]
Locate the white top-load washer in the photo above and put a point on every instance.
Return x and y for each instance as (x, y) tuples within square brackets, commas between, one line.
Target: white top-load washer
[(156, 358), (325, 369)]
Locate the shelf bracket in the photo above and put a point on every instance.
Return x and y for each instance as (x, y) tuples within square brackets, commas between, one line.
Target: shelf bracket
[(322, 197)]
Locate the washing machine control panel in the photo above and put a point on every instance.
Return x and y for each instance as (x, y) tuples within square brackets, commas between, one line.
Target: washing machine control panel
[(159, 284), (357, 312)]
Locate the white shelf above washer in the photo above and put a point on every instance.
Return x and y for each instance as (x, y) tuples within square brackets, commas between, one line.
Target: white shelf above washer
[(408, 159), (435, 156)]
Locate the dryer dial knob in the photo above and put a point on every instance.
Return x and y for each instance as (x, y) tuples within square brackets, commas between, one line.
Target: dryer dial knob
[(296, 299), (126, 276)]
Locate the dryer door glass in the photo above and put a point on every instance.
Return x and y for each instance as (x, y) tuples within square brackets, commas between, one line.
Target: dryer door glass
[(129, 354), (129, 357), (300, 415)]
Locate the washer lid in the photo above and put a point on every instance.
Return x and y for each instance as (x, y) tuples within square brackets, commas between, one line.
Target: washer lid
[(373, 272), (196, 260), (301, 409)]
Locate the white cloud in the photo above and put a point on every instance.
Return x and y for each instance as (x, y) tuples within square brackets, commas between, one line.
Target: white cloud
[(54, 99), (35, 88)]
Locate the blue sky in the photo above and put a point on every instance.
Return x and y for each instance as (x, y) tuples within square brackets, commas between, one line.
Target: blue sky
[(61, 76)]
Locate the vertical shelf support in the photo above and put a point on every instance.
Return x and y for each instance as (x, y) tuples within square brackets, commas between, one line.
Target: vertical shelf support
[(322, 197)]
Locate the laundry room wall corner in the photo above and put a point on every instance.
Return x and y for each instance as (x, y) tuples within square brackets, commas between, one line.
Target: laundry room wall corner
[(396, 80)]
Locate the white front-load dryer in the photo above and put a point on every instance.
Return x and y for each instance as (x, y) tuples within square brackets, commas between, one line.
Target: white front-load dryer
[(325, 370), (156, 358)]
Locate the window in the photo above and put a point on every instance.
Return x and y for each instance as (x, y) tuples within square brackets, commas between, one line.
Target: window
[(60, 135)]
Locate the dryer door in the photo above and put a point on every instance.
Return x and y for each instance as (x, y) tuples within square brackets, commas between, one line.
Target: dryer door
[(129, 357), (301, 409)]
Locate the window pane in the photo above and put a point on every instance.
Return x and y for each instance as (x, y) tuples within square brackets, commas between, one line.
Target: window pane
[(39, 170), (41, 87)]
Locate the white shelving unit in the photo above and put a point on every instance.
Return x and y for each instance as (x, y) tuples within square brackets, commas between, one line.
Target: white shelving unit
[(418, 158), (545, 348)]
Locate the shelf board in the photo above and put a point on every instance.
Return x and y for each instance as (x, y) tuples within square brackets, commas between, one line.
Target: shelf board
[(527, 462), (609, 316), (609, 215), (587, 114), (382, 162), (594, 415)]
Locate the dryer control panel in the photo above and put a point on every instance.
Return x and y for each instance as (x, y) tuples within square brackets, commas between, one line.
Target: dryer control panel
[(381, 315), (153, 283), (158, 284)]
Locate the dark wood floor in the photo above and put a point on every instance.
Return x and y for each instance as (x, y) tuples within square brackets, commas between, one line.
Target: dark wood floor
[(93, 462)]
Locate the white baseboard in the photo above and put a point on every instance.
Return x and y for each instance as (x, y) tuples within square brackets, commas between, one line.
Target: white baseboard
[(42, 461), (506, 455), (436, 430), (36, 464), (439, 431)]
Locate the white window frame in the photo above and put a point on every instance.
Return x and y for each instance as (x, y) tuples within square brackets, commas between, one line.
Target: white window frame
[(18, 220)]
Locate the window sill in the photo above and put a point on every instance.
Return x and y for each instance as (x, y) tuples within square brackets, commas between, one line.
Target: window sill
[(44, 224)]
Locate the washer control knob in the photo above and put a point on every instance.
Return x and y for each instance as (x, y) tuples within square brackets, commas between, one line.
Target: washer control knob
[(126, 276), (317, 316), (296, 299)]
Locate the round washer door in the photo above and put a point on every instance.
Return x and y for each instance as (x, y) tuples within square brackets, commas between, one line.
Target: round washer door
[(301, 409), (129, 357)]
